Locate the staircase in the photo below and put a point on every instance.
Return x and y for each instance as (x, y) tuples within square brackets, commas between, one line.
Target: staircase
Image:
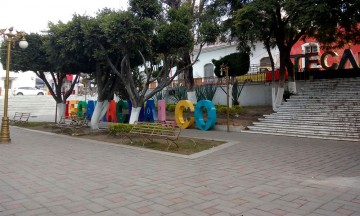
[(325, 109), (38, 105)]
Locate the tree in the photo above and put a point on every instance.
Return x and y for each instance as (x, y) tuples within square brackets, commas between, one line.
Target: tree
[(238, 64), (36, 58), (287, 21), (204, 25), (125, 40)]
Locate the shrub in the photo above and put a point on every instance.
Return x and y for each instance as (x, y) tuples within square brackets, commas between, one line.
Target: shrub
[(222, 109), (205, 92), (171, 107), (119, 128), (178, 93), (238, 109), (218, 106)]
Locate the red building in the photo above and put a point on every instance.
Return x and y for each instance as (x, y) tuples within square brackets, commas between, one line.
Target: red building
[(310, 54)]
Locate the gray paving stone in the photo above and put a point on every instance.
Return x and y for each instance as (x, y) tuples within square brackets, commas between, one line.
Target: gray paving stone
[(260, 175)]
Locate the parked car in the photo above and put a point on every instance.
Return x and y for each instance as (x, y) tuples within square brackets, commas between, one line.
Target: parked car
[(28, 91)]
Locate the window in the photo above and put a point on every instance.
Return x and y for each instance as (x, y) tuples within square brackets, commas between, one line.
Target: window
[(265, 62), (209, 70), (311, 48)]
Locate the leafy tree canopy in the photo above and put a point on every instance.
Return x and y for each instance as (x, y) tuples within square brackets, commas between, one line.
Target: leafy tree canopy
[(238, 64)]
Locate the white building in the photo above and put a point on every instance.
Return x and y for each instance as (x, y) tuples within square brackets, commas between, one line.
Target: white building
[(19, 79), (205, 68)]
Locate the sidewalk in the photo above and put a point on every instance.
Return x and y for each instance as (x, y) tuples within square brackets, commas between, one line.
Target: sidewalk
[(43, 174)]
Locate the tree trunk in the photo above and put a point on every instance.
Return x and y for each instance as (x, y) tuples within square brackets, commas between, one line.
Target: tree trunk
[(60, 110), (291, 72), (99, 111), (273, 86), (189, 78), (135, 112), (280, 92)]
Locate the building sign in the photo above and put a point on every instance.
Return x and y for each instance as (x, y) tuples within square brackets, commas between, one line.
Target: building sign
[(347, 56)]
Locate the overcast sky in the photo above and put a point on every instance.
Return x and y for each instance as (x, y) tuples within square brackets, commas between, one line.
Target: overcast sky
[(34, 15)]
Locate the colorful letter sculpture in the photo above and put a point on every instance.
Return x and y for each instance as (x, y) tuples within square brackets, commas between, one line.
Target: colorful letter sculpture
[(90, 109), (73, 106), (67, 109), (115, 112), (120, 106), (82, 108), (211, 115), (150, 111), (111, 112), (179, 113), (161, 110)]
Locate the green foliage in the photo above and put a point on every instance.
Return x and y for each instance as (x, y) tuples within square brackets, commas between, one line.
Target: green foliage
[(179, 93), (119, 128), (222, 110), (32, 58), (173, 36), (145, 9), (170, 107), (182, 14), (236, 92), (66, 48), (138, 79), (158, 96), (232, 111), (205, 92), (238, 64), (283, 23)]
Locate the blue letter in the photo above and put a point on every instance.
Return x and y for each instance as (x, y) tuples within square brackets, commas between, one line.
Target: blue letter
[(211, 115)]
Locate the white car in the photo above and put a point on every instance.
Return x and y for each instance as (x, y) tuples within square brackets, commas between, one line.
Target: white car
[(28, 91)]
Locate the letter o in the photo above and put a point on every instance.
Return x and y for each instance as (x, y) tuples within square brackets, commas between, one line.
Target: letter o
[(211, 115), (179, 114)]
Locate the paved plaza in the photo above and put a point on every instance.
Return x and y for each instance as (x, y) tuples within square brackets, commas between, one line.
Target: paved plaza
[(45, 174)]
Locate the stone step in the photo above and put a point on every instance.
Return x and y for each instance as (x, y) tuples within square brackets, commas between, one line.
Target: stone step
[(307, 132), (324, 95), (319, 109), (334, 115), (347, 129), (317, 100), (329, 104), (321, 106), (312, 118), (311, 122), (302, 135), (36, 105)]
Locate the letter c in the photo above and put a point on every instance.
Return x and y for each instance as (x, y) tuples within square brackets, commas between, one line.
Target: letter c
[(324, 60), (179, 114)]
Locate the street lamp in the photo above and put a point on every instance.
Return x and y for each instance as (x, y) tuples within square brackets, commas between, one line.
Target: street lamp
[(225, 68), (11, 38)]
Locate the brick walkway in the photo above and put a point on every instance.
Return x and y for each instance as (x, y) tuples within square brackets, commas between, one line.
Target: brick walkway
[(42, 174)]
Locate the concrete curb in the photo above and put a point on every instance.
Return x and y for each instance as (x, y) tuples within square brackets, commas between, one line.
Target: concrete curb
[(192, 156)]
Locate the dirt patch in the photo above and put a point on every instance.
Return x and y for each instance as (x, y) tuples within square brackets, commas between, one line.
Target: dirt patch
[(245, 118), (187, 146)]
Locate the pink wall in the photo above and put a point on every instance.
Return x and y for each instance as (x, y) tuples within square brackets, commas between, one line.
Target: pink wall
[(297, 49)]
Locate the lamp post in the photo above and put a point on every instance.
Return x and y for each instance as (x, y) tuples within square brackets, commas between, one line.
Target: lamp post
[(225, 68), (10, 38)]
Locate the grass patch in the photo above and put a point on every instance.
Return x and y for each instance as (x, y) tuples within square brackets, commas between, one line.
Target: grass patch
[(187, 146), (31, 124)]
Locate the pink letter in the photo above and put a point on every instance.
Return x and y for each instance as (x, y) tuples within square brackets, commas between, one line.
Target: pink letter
[(161, 110)]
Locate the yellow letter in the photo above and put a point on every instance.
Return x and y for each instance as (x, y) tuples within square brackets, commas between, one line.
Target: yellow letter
[(179, 114)]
